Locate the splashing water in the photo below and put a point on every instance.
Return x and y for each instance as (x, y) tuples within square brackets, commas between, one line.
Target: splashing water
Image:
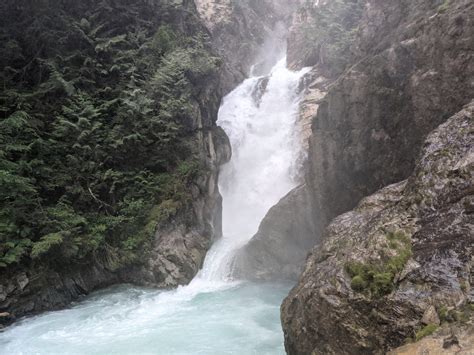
[(261, 124), (213, 314)]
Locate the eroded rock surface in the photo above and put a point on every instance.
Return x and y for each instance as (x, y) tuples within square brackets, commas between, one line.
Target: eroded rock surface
[(279, 248), (402, 252), (415, 71), (449, 340), (412, 68)]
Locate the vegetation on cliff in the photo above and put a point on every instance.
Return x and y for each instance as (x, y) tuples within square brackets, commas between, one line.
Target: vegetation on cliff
[(328, 31), (95, 135)]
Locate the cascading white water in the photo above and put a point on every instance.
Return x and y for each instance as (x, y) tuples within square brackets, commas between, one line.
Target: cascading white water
[(213, 314), (261, 125)]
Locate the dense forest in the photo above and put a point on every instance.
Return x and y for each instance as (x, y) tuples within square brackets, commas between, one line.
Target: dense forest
[(95, 146)]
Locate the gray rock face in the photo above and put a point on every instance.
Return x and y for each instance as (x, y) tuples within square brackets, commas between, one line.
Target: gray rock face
[(415, 71), (404, 251), (181, 243), (280, 247), (30, 291)]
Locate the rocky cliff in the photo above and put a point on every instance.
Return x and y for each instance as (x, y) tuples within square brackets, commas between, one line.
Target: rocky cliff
[(402, 252), (398, 263), (275, 251), (403, 77), (181, 216), (371, 125)]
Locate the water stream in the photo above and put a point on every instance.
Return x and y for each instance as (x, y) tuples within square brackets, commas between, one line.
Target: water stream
[(214, 314)]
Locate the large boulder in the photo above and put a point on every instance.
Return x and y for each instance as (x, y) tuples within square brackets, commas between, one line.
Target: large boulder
[(384, 267), (280, 247)]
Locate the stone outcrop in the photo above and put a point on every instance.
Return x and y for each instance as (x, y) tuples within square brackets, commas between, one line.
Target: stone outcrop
[(449, 340), (181, 243), (279, 248), (384, 267), (411, 71), (415, 71)]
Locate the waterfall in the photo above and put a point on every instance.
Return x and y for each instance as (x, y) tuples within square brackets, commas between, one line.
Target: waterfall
[(260, 118), (213, 314)]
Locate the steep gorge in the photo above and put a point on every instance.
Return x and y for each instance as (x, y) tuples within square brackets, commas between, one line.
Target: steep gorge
[(386, 117), (410, 68), (156, 227)]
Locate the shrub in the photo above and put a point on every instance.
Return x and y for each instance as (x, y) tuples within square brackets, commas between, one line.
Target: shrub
[(378, 279), (426, 331), (358, 283)]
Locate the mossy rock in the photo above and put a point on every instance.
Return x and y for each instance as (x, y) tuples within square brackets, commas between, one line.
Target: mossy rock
[(426, 331)]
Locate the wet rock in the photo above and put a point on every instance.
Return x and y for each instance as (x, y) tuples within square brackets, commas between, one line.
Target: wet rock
[(6, 319), (280, 247), (22, 281), (449, 340), (413, 71), (350, 298)]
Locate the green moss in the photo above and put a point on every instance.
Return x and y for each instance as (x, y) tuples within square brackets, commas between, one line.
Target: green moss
[(358, 283), (426, 331), (378, 279), (383, 283), (393, 245), (443, 313), (444, 7), (398, 236)]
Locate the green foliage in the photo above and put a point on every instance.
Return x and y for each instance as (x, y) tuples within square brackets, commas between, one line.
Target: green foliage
[(330, 33), (45, 244), (398, 237), (358, 283), (95, 114), (426, 331), (443, 313), (456, 315), (378, 279), (444, 6)]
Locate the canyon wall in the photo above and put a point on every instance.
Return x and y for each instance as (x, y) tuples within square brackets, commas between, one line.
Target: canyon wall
[(400, 261), (410, 69), (387, 78)]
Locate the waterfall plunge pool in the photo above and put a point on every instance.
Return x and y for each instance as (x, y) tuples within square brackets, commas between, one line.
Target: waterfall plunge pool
[(232, 318)]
